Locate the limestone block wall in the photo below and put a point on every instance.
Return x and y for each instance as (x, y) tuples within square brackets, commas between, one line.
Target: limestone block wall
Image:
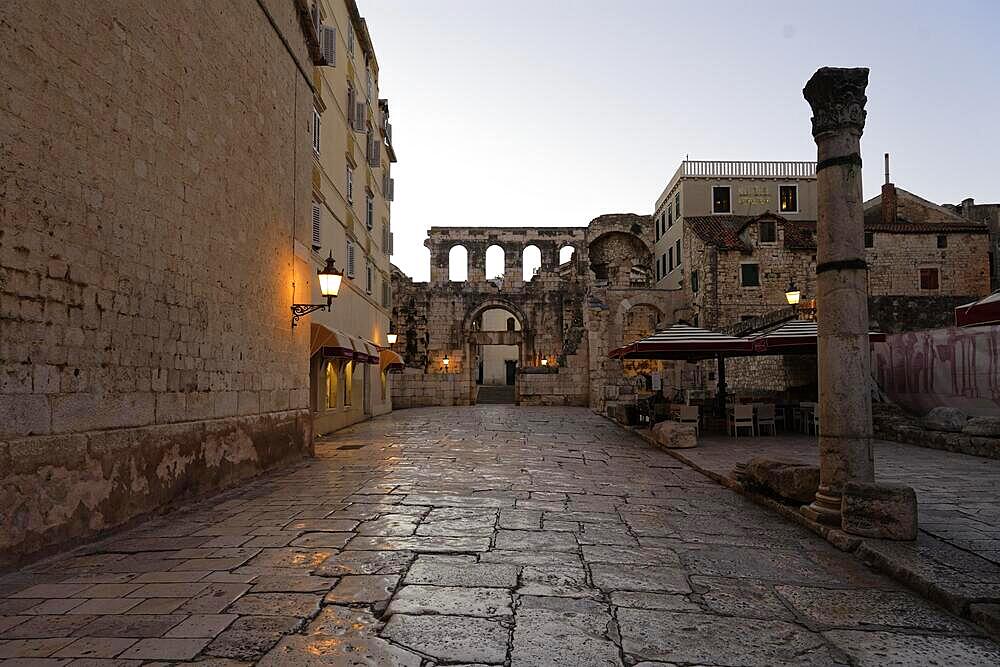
[(566, 386), (415, 389), (151, 193), (896, 259)]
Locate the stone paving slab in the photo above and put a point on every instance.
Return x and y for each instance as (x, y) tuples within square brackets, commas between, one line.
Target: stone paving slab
[(486, 535)]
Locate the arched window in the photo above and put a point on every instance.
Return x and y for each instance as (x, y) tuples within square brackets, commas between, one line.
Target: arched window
[(494, 262), (458, 264), (566, 253), (331, 385), (531, 262), (510, 323)]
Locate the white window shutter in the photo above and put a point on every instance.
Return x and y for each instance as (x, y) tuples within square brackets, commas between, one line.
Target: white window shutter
[(328, 45), (317, 222)]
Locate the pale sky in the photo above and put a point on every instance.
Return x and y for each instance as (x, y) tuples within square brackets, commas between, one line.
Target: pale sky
[(552, 112)]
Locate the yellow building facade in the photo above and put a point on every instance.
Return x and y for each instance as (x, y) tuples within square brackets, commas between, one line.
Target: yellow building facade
[(352, 189)]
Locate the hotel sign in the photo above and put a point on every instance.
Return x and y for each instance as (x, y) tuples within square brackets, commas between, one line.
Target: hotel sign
[(754, 195)]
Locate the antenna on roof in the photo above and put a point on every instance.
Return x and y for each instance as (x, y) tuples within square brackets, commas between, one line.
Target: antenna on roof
[(887, 169)]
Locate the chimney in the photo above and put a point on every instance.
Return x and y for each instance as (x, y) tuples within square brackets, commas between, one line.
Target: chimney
[(889, 207), (966, 207)]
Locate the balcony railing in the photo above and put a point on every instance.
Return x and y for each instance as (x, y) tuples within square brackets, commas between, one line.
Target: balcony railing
[(723, 169)]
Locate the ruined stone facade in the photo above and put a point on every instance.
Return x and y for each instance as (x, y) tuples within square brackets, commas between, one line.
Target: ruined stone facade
[(570, 314), (990, 215), (151, 194)]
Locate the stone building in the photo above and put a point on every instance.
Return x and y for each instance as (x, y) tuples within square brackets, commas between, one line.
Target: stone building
[(723, 190), (592, 291), (352, 189), (989, 214), (154, 204)]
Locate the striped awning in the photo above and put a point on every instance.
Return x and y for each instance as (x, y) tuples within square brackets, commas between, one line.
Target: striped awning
[(980, 313), (683, 341), (794, 336), (390, 361)]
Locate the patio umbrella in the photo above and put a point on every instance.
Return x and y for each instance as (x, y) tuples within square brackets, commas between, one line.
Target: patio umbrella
[(793, 337), (688, 343), (979, 313)]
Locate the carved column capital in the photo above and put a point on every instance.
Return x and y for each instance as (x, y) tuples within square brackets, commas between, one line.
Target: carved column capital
[(837, 98)]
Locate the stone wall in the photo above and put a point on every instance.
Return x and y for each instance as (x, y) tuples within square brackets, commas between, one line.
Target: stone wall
[(895, 261), (896, 314), (415, 389), (151, 193)]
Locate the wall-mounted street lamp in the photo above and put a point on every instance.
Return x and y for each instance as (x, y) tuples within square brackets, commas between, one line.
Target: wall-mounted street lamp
[(545, 361), (329, 286), (445, 361), (792, 294), (392, 336)]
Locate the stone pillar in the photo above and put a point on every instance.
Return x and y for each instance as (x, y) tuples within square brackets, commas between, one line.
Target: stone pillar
[(837, 98), (477, 262), (550, 254), (439, 262), (513, 264)]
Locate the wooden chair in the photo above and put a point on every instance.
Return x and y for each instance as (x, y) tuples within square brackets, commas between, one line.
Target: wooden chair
[(741, 417), (781, 416), (689, 415), (765, 417)]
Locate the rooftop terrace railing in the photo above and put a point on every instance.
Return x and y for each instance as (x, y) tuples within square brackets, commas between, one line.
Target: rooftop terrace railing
[(726, 169)]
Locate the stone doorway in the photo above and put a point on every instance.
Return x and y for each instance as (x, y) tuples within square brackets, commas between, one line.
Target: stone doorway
[(496, 347)]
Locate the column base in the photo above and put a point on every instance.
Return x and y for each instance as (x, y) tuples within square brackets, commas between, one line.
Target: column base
[(825, 508)]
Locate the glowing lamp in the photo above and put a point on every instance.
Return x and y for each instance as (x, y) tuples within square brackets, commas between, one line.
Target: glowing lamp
[(392, 336), (792, 294), (329, 286), (545, 361), (445, 361)]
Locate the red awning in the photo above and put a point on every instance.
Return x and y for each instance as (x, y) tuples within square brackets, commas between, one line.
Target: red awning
[(683, 341), (979, 313), (794, 337)]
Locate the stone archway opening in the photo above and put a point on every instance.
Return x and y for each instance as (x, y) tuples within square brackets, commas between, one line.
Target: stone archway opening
[(496, 352)]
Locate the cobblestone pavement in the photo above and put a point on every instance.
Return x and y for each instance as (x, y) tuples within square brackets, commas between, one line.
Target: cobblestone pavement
[(485, 535), (957, 493)]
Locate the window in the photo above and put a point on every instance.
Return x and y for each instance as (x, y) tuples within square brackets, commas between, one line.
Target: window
[(670, 258), (351, 106), (369, 84), (331, 385), (385, 294), (350, 40), (350, 184), (328, 44), (677, 251), (385, 237), (720, 199), (350, 258), (788, 198), (656, 225), (869, 239), (317, 223), (670, 217), (369, 210), (663, 262), (942, 241), (658, 274), (348, 369), (929, 279), (749, 275), (315, 131), (694, 282), (510, 324), (768, 232), (677, 206), (369, 276)]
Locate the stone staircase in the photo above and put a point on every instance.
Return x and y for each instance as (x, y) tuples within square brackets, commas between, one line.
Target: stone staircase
[(489, 394)]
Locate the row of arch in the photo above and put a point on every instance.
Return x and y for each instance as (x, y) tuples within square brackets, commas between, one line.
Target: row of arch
[(531, 261)]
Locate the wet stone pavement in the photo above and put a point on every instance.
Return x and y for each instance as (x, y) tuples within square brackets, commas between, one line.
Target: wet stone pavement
[(487, 535)]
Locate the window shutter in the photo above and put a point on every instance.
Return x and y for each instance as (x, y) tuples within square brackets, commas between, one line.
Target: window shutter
[(350, 258), (328, 45), (315, 18), (315, 130), (317, 219), (368, 276), (390, 243), (359, 117), (391, 195)]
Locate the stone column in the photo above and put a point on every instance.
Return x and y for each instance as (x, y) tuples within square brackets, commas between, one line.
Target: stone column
[(477, 262), (439, 262), (837, 98), (550, 254)]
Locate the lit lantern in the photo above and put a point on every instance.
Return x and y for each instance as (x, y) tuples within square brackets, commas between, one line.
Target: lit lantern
[(792, 294), (545, 361), (445, 361), (329, 286), (392, 336)]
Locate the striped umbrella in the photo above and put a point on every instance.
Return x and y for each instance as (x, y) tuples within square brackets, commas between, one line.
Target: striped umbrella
[(683, 341), (793, 336)]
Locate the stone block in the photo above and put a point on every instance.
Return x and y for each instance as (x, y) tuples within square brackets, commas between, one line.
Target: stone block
[(785, 479), (24, 414), (880, 510), (987, 427), (941, 418), (674, 435)]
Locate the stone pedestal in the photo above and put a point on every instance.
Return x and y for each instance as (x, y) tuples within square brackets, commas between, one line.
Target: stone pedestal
[(884, 511), (837, 98)]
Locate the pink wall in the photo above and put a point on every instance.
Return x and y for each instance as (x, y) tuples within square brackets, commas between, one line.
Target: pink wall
[(955, 367)]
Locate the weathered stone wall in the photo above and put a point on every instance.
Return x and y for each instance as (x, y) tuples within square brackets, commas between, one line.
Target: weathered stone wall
[(896, 314), (894, 264), (570, 314), (154, 173), (415, 389)]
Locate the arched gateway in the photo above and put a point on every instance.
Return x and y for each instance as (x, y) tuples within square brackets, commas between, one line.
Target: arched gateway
[(546, 331)]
